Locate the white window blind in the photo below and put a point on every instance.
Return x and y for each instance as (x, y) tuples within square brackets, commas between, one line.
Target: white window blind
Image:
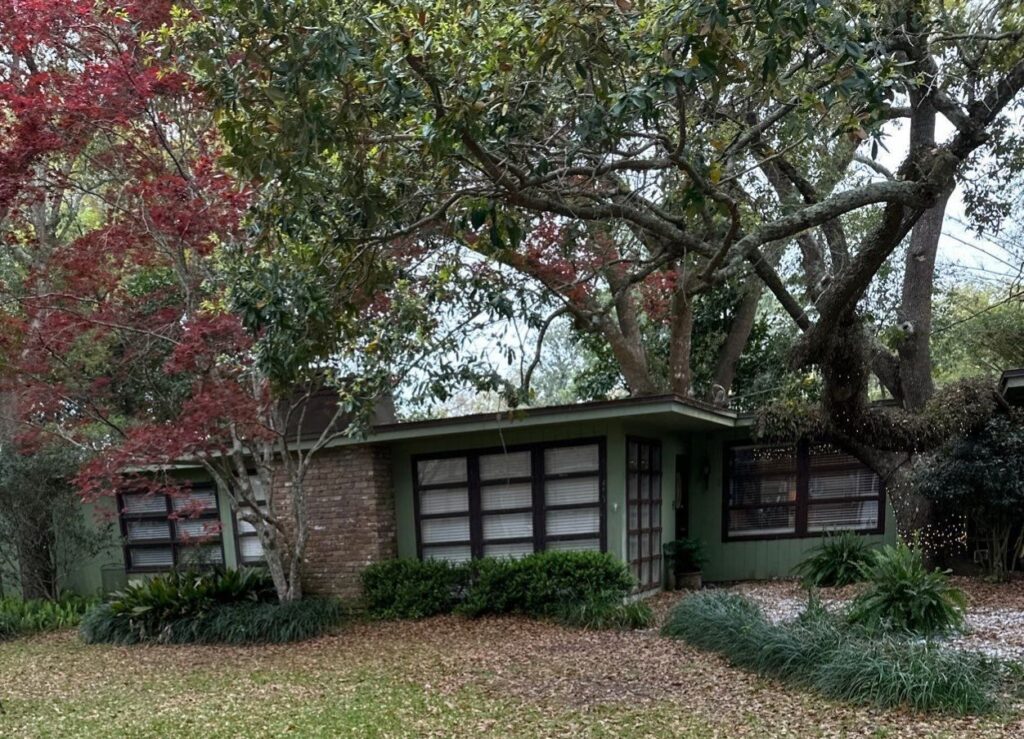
[(503, 496), (573, 521), (444, 500), (504, 466), (567, 459), (440, 530), (572, 491), (440, 471), (137, 503), (508, 526)]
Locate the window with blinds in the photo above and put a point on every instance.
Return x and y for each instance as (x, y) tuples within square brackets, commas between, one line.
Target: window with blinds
[(163, 531), (510, 503), (807, 490), (250, 550)]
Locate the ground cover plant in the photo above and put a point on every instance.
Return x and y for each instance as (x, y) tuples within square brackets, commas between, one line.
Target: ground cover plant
[(838, 561), (903, 595), (443, 676), (207, 607), (821, 651), (19, 617), (574, 588)]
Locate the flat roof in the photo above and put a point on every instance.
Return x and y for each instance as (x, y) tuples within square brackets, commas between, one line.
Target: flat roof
[(688, 412), (668, 411)]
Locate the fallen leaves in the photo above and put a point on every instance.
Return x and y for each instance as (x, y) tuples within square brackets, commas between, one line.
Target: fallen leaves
[(444, 676)]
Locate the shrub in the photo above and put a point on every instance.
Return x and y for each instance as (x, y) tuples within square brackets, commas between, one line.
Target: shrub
[(821, 652), (544, 583), (575, 588), (245, 622), (409, 588), (207, 607), (838, 561), (163, 599), (19, 617), (904, 596), (684, 555)]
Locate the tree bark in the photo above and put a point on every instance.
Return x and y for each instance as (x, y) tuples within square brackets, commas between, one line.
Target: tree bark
[(915, 368), (681, 338), (739, 333)]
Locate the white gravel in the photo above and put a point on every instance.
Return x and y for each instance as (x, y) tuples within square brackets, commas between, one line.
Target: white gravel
[(994, 631)]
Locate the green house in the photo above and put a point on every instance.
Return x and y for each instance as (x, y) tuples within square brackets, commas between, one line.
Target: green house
[(621, 476)]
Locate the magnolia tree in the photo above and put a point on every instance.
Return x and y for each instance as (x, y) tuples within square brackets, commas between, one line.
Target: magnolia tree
[(633, 157)]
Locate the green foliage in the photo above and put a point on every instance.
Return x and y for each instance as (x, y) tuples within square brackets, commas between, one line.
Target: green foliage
[(158, 608), (838, 561), (575, 588), (43, 531), (605, 612), (977, 329), (820, 652), (409, 588), (904, 597), (19, 617), (541, 584), (243, 622), (980, 475), (685, 555)]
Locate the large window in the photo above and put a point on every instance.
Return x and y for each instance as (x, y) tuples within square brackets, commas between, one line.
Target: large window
[(163, 531), (509, 503), (807, 490)]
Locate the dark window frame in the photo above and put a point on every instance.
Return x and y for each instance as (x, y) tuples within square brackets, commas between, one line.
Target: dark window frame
[(655, 483), (538, 507), (170, 517), (803, 501)]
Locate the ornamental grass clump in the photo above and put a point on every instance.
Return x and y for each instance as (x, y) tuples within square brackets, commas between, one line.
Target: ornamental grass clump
[(820, 651), (904, 596), (838, 561)]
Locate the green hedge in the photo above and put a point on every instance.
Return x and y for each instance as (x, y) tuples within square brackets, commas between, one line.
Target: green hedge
[(207, 607), (822, 652), (575, 588), (409, 588)]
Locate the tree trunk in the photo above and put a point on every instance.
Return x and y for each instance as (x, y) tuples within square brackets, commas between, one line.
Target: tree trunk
[(919, 277), (37, 570), (739, 333), (681, 342)]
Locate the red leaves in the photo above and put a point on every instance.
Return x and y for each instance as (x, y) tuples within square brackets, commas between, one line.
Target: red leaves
[(108, 338)]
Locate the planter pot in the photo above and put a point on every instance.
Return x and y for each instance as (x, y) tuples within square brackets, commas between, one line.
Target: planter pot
[(688, 581)]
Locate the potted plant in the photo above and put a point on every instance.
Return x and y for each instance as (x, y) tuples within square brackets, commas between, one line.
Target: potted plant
[(683, 559)]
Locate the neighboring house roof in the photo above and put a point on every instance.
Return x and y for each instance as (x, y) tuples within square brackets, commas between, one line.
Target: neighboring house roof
[(1011, 386)]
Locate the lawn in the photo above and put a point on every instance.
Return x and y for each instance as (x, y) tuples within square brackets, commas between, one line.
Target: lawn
[(441, 677)]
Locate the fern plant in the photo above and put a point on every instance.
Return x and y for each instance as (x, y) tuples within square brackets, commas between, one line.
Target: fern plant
[(905, 597), (838, 561)]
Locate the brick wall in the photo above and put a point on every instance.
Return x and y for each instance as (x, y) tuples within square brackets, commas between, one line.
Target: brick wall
[(350, 501)]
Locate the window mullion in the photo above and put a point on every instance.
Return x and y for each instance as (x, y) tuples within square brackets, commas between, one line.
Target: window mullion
[(803, 485), (476, 524), (539, 501)]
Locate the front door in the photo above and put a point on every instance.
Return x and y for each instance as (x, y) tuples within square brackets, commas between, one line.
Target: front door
[(643, 511)]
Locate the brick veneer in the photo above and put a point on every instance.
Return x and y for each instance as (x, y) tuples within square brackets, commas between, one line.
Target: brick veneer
[(350, 502)]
